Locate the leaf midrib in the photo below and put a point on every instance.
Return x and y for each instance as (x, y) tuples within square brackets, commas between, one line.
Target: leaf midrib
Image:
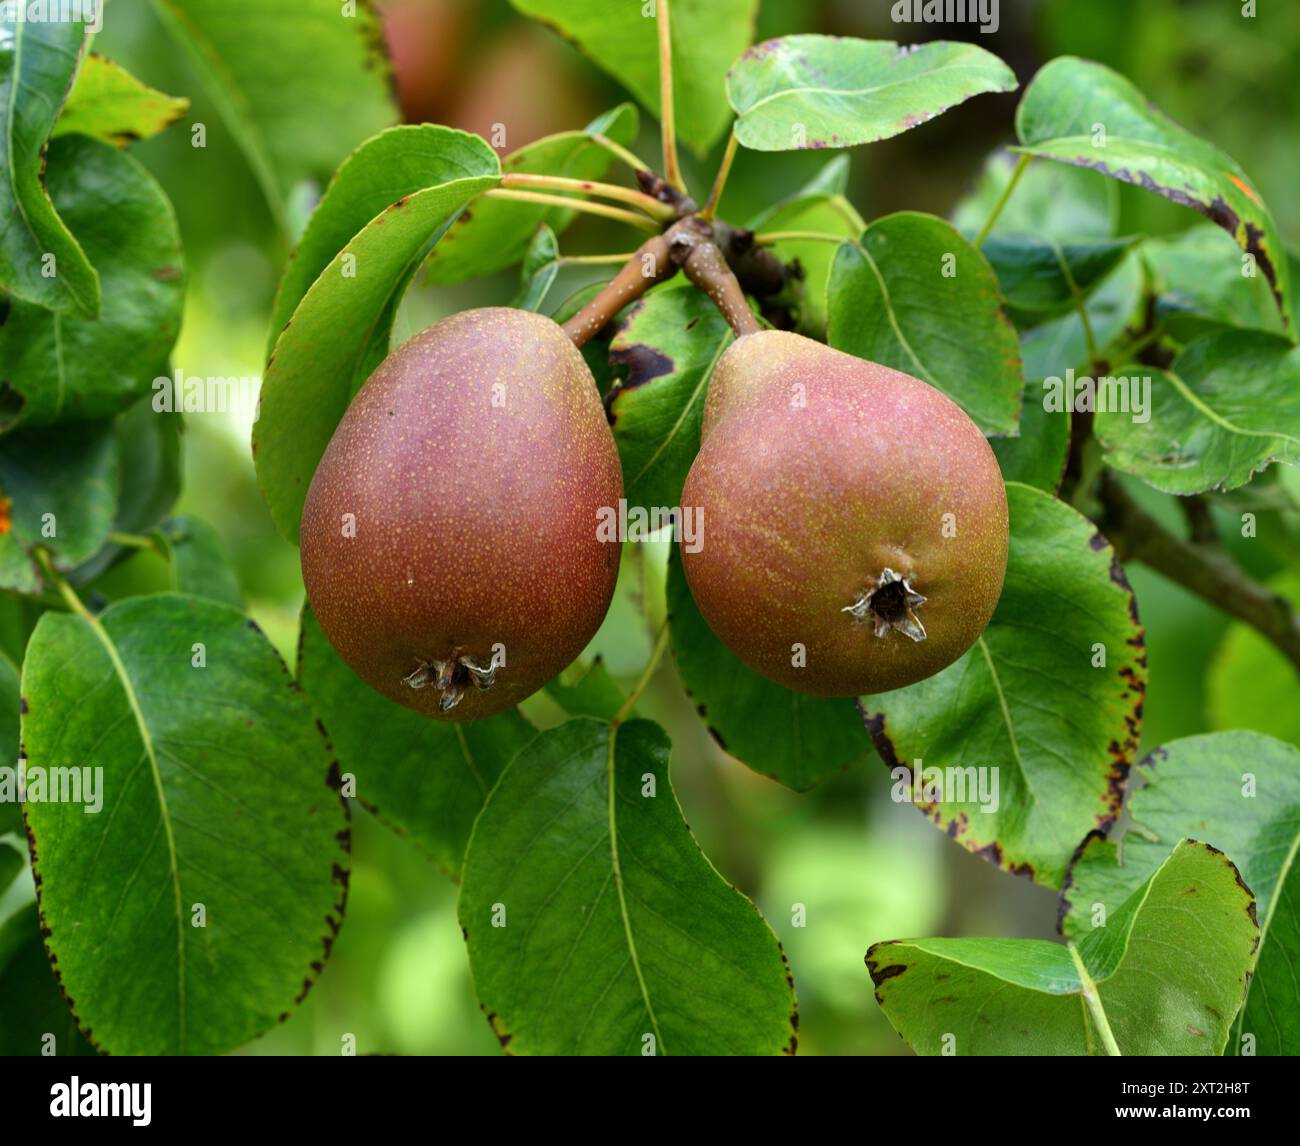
[(622, 898), (146, 739)]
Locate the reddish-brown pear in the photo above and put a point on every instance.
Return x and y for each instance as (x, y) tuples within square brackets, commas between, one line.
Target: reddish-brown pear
[(854, 528), (449, 537)]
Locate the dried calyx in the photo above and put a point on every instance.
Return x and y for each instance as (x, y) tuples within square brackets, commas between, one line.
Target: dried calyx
[(451, 677), (890, 604)]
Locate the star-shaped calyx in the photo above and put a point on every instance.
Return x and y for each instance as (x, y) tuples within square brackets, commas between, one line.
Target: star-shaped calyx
[(451, 677), (890, 604)]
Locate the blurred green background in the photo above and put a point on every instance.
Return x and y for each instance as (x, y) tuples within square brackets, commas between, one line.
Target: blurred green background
[(863, 868)]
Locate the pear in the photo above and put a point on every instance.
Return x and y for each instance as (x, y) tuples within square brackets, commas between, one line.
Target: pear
[(449, 536), (854, 519)]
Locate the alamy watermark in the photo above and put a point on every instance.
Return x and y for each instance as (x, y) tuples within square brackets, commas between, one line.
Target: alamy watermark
[(935, 785), (193, 394), (24, 785), (637, 523), (88, 12), (981, 12), (1105, 395)]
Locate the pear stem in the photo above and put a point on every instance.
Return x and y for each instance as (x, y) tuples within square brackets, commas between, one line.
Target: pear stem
[(620, 152), (630, 217), (639, 199), (652, 263), (1021, 164), (720, 180), (696, 252)]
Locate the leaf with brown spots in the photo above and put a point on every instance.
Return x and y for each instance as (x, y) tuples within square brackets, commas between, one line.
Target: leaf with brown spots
[(1239, 791), (1166, 975), (1027, 706)]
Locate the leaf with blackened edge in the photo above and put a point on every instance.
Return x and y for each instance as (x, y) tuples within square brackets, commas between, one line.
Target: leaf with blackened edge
[(595, 924), (1240, 792), (193, 874), (1082, 113), (1166, 976), (1024, 744)]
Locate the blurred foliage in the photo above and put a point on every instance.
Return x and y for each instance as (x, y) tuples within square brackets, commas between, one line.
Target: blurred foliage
[(864, 869)]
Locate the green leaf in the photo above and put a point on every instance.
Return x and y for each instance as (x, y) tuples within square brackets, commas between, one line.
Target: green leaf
[(339, 334), (819, 206), (832, 91), (1227, 408), (381, 173), (796, 739), (1068, 204), (892, 302), (60, 367), (668, 343), (1070, 99), (298, 86), (1037, 455), (149, 462), (1043, 278), (1168, 975), (11, 815), (216, 790), (1250, 682), (1240, 793), (495, 233), (1053, 347), (587, 690), (623, 40), (541, 265), (613, 934), (61, 484), (107, 102), (37, 1019), (11, 859), (1201, 284), (1032, 706), (38, 59), (199, 563), (425, 779)]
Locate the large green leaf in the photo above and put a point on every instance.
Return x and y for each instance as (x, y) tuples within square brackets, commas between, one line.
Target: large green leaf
[(298, 85), (668, 343), (58, 367), (1047, 705), (217, 790), (1037, 456), (1240, 792), (496, 232), (1165, 976), (36, 1017), (339, 334), (623, 40), (40, 260), (1082, 113), (794, 738), (819, 206), (381, 172), (423, 778), (1202, 283), (833, 91), (595, 924), (914, 295), (60, 484), (107, 102), (1227, 407)]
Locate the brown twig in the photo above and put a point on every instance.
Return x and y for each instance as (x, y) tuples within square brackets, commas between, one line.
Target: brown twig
[(696, 252), (1201, 567), (651, 263)]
